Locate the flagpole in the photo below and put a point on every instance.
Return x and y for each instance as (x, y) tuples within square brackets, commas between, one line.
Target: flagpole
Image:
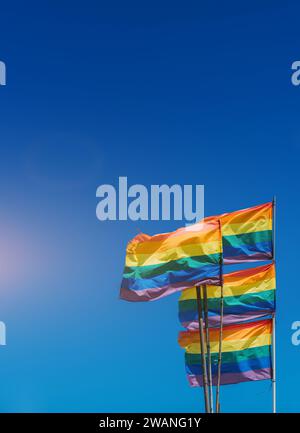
[(202, 346), (273, 318), (220, 350), (211, 397), (220, 327)]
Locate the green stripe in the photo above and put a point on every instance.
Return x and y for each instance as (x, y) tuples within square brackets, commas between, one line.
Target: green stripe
[(229, 301), (228, 357), (248, 238), (183, 264)]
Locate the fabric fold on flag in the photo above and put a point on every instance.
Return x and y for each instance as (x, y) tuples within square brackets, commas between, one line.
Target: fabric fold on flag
[(247, 234), (248, 295), (246, 353), (159, 265)]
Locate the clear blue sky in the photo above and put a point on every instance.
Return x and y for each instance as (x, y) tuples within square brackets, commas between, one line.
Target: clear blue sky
[(161, 93)]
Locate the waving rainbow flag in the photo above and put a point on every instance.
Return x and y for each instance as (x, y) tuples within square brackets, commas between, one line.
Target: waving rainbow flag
[(248, 295), (247, 234), (246, 353), (159, 265)]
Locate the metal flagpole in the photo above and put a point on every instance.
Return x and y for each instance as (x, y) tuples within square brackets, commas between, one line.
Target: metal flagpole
[(274, 318), (220, 330), (220, 350), (211, 397), (202, 346), (274, 363)]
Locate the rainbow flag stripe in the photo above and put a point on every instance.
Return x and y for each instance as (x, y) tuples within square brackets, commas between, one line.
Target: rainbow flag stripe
[(159, 265), (246, 353), (248, 295), (247, 234)]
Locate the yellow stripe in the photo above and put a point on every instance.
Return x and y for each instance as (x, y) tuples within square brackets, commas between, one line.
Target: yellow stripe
[(151, 246), (232, 346), (230, 333), (255, 283), (201, 249), (249, 220), (261, 224), (260, 286), (215, 292)]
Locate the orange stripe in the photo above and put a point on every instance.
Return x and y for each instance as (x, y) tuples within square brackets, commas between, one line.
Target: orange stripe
[(241, 216), (267, 272), (230, 333), (198, 233)]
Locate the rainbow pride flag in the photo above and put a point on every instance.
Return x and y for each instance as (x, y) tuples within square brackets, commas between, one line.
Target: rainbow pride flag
[(248, 295), (159, 265), (247, 234), (246, 353)]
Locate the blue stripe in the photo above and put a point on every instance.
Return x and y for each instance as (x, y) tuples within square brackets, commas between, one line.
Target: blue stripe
[(244, 308), (248, 250), (232, 367), (173, 277), (190, 315)]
